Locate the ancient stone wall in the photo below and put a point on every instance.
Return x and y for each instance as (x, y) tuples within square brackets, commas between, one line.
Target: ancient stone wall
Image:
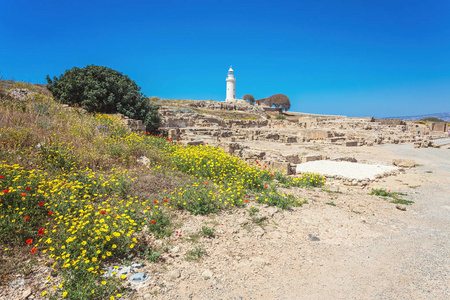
[(392, 122)]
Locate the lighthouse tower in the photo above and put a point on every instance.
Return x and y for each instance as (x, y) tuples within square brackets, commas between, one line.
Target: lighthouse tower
[(231, 86)]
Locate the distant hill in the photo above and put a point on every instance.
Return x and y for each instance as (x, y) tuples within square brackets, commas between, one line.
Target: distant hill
[(443, 116)]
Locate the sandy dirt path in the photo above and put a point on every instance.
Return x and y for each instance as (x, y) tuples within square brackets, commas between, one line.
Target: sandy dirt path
[(368, 249)]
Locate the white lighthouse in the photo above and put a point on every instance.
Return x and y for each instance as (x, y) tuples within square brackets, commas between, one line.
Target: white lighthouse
[(231, 86)]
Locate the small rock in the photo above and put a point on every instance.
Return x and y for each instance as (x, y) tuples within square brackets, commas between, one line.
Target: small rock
[(207, 274), (26, 294), (189, 230), (174, 274), (259, 260), (17, 283), (144, 160), (401, 207), (242, 221), (404, 163), (175, 249), (313, 238), (272, 210), (259, 232)]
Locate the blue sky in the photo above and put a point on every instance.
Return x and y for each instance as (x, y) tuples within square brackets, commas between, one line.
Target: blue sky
[(355, 58)]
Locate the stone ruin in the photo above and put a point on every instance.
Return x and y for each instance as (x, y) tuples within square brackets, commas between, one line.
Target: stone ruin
[(229, 134)]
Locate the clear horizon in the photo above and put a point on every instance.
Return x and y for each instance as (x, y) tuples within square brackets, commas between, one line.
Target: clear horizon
[(353, 58)]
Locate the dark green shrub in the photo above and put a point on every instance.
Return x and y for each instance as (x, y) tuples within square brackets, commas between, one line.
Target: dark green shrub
[(101, 89)]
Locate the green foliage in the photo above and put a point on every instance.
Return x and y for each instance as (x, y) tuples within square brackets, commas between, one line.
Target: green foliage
[(57, 156), (101, 89), (204, 199), (159, 224), (432, 119), (249, 98), (394, 195), (308, 180), (196, 253), (208, 232), (402, 201), (280, 117), (274, 198), (252, 211)]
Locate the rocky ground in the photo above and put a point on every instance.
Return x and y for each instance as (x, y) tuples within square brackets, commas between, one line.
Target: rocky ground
[(343, 244)]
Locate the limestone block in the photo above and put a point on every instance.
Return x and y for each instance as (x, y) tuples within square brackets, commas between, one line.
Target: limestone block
[(308, 158), (351, 143), (315, 134), (252, 154), (173, 133), (290, 139), (195, 143), (295, 159), (404, 163)]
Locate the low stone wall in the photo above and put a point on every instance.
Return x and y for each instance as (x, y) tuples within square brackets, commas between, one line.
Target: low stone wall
[(392, 122)]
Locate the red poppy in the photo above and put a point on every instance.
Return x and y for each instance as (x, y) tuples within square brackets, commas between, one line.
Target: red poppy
[(178, 140), (103, 212), (153, 221), (265, 166), (259, 165), (156, 201), (23, 195), (33, 250), (256, 161), (5, 191), (265, 186), (27, 218), (41, 231), (206, 182), (29, 241), (40, 203), (271, 175), (2, 176), (246, 201), (165, 200), (28, 188), (50, 213)]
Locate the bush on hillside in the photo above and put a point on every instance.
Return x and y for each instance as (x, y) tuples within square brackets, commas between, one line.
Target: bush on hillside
[(279, 100), (249, 98), (104, 90)]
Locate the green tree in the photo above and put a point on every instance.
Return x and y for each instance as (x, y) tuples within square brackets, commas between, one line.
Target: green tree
[(104, 90), (249, 98)]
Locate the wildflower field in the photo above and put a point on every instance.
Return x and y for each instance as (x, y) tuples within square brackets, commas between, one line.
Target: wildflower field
[(73, 194)]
